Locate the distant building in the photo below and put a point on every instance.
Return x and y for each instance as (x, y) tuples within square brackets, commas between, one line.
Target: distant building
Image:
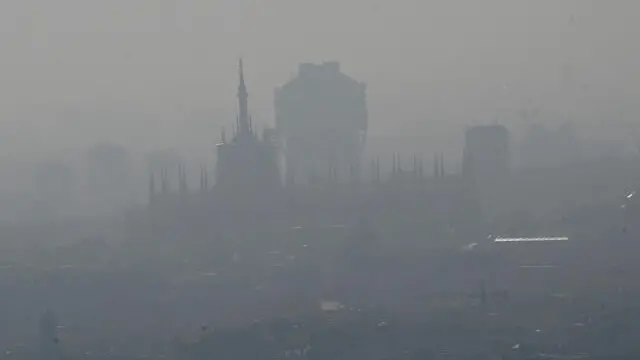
[(486, 153), (248, 197), (247, 164), (321, 117)]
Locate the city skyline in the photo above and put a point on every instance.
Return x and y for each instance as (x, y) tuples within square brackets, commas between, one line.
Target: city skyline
[(75, 80), (319, 180)]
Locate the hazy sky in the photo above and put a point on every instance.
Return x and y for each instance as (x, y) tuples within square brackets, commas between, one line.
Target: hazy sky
[(163, 72)]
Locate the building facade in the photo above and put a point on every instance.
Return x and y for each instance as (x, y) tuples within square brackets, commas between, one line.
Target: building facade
[(321, 118)]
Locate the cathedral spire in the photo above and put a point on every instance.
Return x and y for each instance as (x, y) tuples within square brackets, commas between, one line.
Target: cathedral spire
[(182, 177), (203, 178), (244, 123)]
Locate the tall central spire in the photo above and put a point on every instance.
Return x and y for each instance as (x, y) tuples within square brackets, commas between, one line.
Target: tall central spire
[(244, 124)]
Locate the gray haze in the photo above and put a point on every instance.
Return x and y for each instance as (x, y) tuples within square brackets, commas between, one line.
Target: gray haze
[(75, 72), (160, 74), (429, 171)]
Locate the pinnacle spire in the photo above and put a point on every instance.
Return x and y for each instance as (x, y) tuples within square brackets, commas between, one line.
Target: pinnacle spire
[(203, 178), (244, 125)]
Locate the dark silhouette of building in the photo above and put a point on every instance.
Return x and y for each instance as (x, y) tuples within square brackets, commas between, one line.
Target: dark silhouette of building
[(247, 164), (248, 184), (486, 155), (321, 117)]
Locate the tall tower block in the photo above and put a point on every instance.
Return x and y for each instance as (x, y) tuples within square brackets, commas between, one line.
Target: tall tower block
[(321, 116)]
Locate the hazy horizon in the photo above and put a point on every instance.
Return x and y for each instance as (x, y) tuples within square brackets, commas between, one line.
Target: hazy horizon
[(162, 73), (131, 231)]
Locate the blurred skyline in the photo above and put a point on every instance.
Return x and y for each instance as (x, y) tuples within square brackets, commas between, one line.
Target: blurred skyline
[(162, 73)]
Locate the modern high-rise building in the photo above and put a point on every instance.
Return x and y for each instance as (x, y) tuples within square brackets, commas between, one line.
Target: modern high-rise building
[(486, 153), (321, 119)]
